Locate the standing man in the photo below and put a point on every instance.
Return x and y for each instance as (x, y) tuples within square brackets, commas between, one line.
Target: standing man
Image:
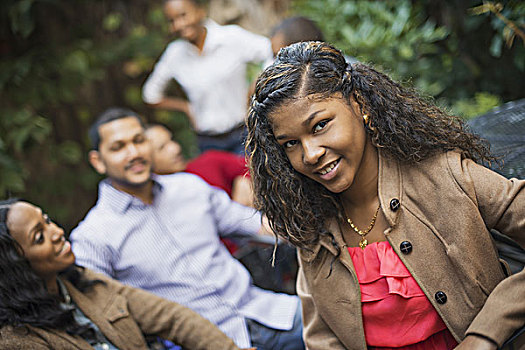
[(209, 61), (161, 233)]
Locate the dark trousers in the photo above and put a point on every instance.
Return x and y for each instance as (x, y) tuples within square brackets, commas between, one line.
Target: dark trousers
[(231, 141)]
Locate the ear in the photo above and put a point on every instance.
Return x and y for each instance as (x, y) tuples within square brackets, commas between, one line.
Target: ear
[(96, 162)]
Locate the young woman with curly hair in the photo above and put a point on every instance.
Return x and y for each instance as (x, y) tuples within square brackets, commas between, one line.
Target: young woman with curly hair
[(48, 302), (386, 199)]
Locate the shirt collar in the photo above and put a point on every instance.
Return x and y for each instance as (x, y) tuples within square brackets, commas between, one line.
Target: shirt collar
[(67, 304), (212, 35), (121, 201)]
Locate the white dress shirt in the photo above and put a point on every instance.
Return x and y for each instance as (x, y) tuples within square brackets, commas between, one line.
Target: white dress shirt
[(215, 80), (172, 248)]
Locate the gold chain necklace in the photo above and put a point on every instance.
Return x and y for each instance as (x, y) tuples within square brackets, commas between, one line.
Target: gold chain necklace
[(364, 242)]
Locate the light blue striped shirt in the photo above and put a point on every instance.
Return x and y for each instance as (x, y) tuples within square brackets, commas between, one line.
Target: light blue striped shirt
[(172, 248)]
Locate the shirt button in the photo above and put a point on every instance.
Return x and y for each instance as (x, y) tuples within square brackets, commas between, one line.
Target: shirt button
[(394, 204), (441, 297), (406, 247)]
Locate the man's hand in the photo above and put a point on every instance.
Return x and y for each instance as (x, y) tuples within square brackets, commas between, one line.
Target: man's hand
[(265, 229)]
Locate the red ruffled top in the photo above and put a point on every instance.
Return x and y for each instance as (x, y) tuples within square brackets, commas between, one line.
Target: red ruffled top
[(396, 312)]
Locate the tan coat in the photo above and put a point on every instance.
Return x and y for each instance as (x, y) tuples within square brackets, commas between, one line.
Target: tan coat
[(123, 314), (446, 205)]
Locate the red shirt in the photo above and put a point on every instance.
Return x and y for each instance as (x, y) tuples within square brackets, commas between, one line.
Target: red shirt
[(396, 312), (218, 168)]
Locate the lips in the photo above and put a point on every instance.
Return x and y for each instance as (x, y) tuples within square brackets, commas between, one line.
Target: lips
[(329, 170), (66, 247), (137, 165)]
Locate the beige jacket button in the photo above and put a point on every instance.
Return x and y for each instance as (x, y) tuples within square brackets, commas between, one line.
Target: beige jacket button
[(394, 204), (441, 297)]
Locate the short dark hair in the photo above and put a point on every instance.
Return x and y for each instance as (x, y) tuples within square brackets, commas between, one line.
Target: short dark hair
[(297, 29), (199, 3), (107, 116)]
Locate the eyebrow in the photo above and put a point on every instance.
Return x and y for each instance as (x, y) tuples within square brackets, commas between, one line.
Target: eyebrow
[(304, 123), (311, 116)]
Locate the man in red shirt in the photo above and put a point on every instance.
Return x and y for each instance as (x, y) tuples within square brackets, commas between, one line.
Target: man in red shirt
[(222, 169)]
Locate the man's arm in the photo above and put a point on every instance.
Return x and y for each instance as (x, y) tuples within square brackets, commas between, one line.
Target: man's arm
[(153, 91), (242, 190), (91, 252), (231, 217), (175, 104)]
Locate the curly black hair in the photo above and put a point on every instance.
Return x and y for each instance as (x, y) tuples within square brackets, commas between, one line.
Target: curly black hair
[(24, 299), (404, 125)]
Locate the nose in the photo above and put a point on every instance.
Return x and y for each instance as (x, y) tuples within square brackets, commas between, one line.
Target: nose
[(177, 149), (312, 152), (177, 24), (57, 233), (133, 150)]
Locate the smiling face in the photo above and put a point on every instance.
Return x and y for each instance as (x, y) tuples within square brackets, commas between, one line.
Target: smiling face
[(42, 241), (185, 19), (167, 154), (325, 140), (124, 153)]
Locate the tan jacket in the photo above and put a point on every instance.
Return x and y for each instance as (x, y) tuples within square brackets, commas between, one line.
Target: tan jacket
[(446, 204), (123, 314)]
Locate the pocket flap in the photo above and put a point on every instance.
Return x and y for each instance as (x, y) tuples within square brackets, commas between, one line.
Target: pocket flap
[(117, 309)]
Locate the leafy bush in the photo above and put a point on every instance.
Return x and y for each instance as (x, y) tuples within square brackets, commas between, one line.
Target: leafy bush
[(440, 48)]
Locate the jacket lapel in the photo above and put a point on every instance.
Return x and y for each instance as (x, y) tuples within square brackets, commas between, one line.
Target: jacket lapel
[(94, 310)]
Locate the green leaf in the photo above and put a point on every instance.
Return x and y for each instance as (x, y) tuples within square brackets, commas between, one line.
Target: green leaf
[(112, 22), (70, 152), (495, 46)]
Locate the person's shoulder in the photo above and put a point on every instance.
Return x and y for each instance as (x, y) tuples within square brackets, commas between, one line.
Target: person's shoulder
[(175, 48), (180, 180), (96, 221), (91, 275), (236, 31), (20, 338), (221, 155)]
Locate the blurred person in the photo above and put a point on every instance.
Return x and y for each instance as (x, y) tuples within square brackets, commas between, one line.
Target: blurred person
[(161, 233), (49, 302), (387, 198), (296, 29), (222, 169), (293, 30), (209, 61)]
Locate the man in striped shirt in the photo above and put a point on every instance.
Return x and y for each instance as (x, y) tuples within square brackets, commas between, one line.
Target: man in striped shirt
[(161, 233)]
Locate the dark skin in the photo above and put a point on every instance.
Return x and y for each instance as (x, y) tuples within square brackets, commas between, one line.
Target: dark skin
[(186, 22), (325, 139), (42, 241)]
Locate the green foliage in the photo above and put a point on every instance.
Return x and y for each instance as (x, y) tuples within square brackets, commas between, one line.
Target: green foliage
[(481, 103), (437, 47), (63, 63), (508, 20), (394, 35)]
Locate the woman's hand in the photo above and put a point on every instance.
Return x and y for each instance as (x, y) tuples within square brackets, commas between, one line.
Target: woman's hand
[(476, 342)]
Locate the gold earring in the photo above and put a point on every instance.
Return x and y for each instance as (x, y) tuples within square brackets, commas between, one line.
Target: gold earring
[(365, 118)]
